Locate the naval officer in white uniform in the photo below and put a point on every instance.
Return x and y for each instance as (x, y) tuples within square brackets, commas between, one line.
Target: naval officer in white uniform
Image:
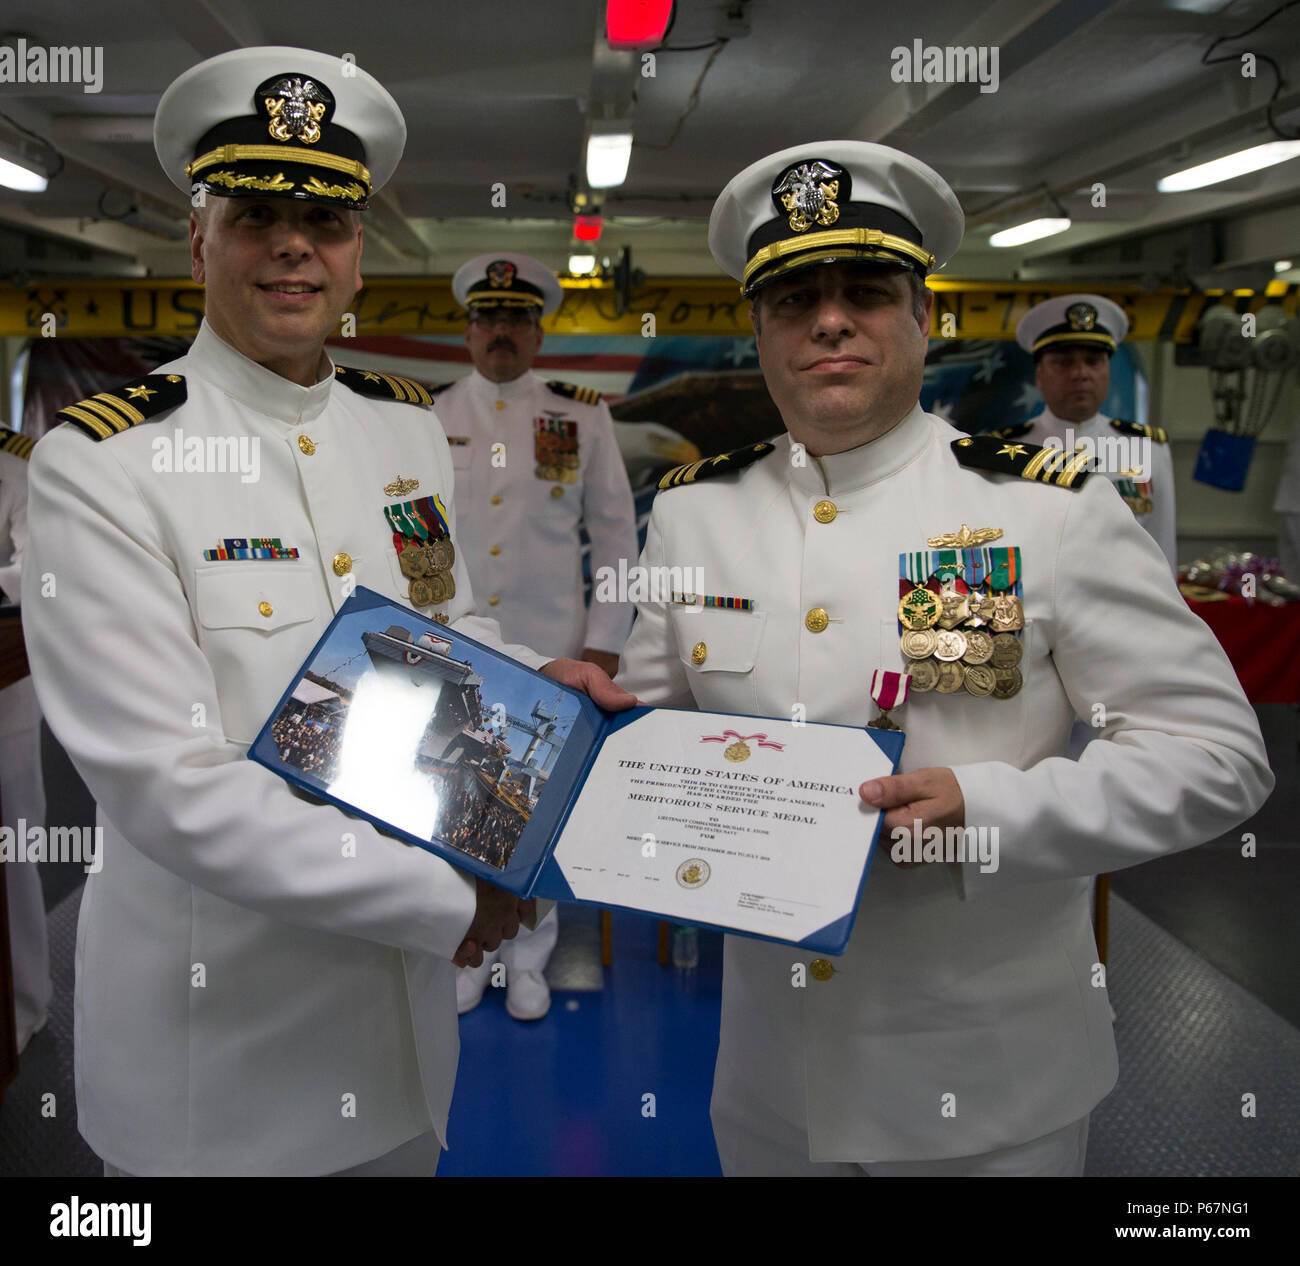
[(1072, 338), (264, 984), (534, 459), (965, 1030), (21, 793)]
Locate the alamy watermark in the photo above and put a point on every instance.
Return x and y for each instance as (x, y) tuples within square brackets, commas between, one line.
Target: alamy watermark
[(1109, 454), (208, 455), (917, 843), (946, 64), (683, 586), (35, 843), (96, 1219), (23, 63)]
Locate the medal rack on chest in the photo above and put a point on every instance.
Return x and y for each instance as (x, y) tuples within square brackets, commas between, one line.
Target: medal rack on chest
[(960, 620), (424, 551), (961, 614)]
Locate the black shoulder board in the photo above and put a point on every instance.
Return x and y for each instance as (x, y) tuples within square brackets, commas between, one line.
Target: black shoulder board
[(1011, 432), (370, 382), (583, 395), (706, 468), (112, 412), (15, 443), (1038, 462), (1156, 433)]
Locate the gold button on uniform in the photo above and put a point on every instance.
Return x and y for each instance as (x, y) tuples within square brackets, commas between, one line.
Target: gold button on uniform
[(824, 511), (306, 445), (821, 969), (265, 608), (557, 491), (342, 564), (501, 404), (494, 601), (495, 550), (496, 499), (699, 653), (816, 620)]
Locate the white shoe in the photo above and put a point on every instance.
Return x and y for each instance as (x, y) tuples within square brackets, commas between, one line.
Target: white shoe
[(528, 996), (470, 983)]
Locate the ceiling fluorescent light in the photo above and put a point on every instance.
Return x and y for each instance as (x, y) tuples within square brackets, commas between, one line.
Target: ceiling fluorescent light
[(607, 159), (1229, 166), (1030, 231), (21, 177)]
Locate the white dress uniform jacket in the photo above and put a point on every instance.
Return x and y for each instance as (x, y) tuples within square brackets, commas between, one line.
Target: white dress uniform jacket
[(979, 985), (519, 531), (251, 998), (21, 792), (1160, 519), (13, 513)]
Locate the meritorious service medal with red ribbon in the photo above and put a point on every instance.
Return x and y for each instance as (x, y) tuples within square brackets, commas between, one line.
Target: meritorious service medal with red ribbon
[(888, 691)]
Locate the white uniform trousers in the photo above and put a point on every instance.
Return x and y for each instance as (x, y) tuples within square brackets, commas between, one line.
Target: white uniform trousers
[(754, 1141), (416, 1158), (24, 797), (531, 951)]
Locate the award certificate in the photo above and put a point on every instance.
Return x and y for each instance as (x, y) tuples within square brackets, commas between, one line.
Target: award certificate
[(747, 824)]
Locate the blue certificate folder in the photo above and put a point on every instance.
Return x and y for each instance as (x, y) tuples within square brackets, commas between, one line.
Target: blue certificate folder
[(454, 747)]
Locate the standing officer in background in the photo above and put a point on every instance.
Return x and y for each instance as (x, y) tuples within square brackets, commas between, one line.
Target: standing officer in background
[(965, 1030), (533, 459), (1072, 338), (264, 984), (21, 794)]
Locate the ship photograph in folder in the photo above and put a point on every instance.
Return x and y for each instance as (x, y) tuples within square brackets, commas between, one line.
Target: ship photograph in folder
[(751, 825)]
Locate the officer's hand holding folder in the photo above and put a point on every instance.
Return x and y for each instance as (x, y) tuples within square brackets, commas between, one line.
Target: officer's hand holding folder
[(750, 825)]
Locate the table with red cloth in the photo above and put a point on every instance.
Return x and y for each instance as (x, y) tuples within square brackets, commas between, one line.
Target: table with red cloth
[(1263, 643)]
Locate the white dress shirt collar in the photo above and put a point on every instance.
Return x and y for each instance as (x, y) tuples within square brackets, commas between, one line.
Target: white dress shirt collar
[(1060, 425), (510, 391), (253, 385), (839, 473)]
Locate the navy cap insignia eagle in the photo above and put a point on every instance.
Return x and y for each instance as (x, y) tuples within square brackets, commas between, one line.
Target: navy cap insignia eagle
[(808, 191), (1081, 316), (501, 273), (296, 108)]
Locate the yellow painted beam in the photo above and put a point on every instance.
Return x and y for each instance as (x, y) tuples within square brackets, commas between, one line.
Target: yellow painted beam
[(679, 306)]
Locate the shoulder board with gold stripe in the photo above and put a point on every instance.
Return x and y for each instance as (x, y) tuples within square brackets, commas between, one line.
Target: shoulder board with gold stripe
[(1011, 432), (118, 410), (370, 382), (17, 444), (1155, 433), (583, 395), (1038, 462), (708, 467)]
